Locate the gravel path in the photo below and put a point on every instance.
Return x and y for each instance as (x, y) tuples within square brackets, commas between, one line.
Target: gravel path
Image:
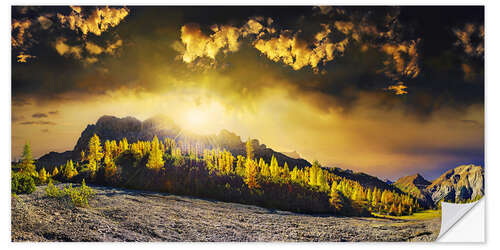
[(127, 215)]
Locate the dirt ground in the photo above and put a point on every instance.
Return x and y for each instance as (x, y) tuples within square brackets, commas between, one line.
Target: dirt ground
[(127, 215)]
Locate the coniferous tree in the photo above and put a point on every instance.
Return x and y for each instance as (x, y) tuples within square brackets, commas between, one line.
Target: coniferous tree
[(42, 175), (286, 172), (26, 165), (274, 168), (155, 160), (240, 165), (55, 172), (250, 150), (251, 174), (95, 153), (69, 170)]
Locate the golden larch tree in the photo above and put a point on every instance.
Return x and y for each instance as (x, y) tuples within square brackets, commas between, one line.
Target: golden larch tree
[(155, 160)]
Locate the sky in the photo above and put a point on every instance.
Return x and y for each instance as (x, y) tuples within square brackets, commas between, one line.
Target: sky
[(389, 91)]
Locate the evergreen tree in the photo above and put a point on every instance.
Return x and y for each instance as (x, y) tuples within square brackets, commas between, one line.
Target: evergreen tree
[(251, 174), (42, 175), (265, 171), (155, 160), (55, 172), (274, 168), (26, 164), (240, 167), (69, 170), (286, 172), (313, 173), (250, 150), (95, 153)]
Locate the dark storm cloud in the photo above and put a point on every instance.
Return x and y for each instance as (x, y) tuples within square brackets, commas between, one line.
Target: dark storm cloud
[(39, 115), (415, 55)]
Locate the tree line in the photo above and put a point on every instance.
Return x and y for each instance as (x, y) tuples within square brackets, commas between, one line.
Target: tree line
[(189, 168)]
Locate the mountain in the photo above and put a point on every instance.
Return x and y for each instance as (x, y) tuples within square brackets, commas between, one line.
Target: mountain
[(114, 128), (462, 183), (365, 180), (459, 184), (415, 185)]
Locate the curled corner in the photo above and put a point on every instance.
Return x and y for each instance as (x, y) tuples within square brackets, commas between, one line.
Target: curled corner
[(451, 213)]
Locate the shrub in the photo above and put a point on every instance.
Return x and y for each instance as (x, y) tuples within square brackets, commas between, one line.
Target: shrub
[(22, 183), (53, 191), (79, 196)]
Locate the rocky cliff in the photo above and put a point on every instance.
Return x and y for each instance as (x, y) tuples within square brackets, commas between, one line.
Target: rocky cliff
[(462, 183)]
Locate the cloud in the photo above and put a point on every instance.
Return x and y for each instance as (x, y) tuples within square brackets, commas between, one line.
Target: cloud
[(37, 123), (67, 50), (54, 112), (297, 50), (399, 89), (23, 58), (197, 45), (403, 61), (471, 39), (34, 25), (92, 48), (45, 22), (39, 115), (96, 22), (95, 49), (20, 32)]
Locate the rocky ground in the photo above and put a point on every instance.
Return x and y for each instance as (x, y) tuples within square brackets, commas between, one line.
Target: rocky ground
[(127, 215)]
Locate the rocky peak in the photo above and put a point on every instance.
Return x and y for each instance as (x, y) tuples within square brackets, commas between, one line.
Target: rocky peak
[(458, 184)]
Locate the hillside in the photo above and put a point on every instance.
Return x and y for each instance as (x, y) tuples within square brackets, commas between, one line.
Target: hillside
[(365, 179), (128, 215), (462, 183), (415, 185)]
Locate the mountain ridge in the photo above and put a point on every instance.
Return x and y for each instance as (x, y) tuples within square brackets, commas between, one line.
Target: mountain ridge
[(456, 184)]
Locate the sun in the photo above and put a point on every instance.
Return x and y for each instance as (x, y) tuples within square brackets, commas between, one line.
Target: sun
[(195, 118), (207, 118)]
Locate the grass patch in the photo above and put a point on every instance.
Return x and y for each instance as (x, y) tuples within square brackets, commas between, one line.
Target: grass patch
[(422, 215)]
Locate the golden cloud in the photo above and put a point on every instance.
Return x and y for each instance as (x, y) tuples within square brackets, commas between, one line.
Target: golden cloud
[(297, 53), (93, 48), (465, 37), (45, 22), (403, 59), (197, 45), (67, 50), (399, 89), (23, 58), (97, 22), (21, 26)]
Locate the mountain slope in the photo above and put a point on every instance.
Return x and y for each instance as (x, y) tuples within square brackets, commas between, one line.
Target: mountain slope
[(462, 183), (365, 180), (415, 185)]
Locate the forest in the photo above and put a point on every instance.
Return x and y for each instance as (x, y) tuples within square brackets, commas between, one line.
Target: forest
[(189, 168)]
